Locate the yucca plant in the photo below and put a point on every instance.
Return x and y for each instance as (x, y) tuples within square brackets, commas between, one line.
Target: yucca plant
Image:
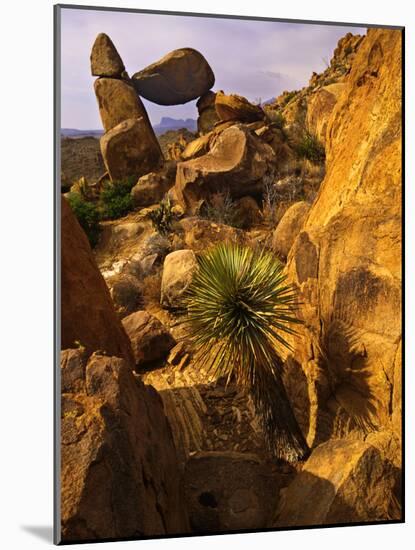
[(239, 308)]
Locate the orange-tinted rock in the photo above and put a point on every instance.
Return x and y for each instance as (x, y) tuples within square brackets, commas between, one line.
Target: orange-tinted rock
[(237, 162), (207, 112), (237, 108), (289, 227), (343, 481), (88, 317), (346, 261), (120, 475)]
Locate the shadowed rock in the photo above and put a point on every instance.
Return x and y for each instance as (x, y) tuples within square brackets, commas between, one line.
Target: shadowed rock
[(88, 317), (119, 471), (105, 60), (238, 108), (150, 340), (179, 77)]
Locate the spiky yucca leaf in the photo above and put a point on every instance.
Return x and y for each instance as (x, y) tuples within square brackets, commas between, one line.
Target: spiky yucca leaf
[(239, 310)]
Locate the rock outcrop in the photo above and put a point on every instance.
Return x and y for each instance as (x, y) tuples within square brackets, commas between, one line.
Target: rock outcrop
[(130, 149), (343, 481), (152, 187), (118, 101), (179, 77), (178, 270), (150, 340), (237, 108), (346, 261), (119, 471), (88, 317), (238, 162), (207, 112), (105, 60), (289, 227)]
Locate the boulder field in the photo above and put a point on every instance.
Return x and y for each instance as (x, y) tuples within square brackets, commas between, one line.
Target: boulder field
[(153, 444)]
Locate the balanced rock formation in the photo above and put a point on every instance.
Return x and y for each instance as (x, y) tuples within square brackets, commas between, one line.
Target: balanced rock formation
[(88, 317), (343, 481), (237, 162), (179, 77), (119, 471), (178, 270), (150, 340), (130, 149), (207, 112), (105, 60), (289, 227), (236, 107), (118, 101), (346, 261)]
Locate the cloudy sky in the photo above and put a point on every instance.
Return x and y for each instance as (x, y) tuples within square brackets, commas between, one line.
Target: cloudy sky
[(256, 59)]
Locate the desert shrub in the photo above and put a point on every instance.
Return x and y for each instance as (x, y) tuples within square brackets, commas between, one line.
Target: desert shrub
[(239, 309), (310, 148), (289, 96), (276, 117), (115, 199), (162, 217), (221, 208), (88, 216)]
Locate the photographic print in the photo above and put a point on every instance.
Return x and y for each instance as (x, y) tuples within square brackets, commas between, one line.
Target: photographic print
[(228, 274)]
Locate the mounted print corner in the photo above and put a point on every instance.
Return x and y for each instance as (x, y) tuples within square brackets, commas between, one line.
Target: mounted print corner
[(229, 309)]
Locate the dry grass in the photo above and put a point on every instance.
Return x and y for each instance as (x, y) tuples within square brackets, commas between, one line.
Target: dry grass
[(151, 289)]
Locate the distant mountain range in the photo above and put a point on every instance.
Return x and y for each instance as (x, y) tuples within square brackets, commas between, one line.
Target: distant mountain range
[(165, 125)]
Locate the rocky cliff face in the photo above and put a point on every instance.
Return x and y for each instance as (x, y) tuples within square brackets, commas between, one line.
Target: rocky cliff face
[(120, 475), (346, 261)]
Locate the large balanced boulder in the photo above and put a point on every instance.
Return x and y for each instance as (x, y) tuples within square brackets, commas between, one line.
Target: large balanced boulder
[(118, 101), (346, 261), (237, 108), (178, 270), (105, 60), (289, 227), (179, 77), (130, 149), (150, 339), (88, 317), (120, 475), (343, 481), (238, 162)]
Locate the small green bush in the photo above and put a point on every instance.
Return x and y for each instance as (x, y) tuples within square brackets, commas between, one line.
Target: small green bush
[(162, 217), (88, 216), (277, 118), (115, 199), (289, 97), (310, 148)]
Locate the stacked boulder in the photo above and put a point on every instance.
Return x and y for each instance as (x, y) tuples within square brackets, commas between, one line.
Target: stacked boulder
[(129, 146)]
